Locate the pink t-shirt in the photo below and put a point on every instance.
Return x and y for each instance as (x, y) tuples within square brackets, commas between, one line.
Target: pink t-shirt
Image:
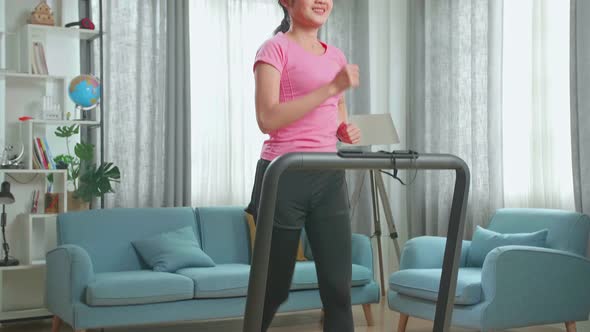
[(301, 73)]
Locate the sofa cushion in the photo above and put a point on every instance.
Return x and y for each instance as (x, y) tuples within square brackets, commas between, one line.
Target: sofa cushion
[(137, 287), (305, 276), (485, 241), (173, 250), (231, 280), (424, 284), (223, 280)]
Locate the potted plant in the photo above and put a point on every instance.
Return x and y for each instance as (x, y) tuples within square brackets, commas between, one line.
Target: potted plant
[(88, 180)]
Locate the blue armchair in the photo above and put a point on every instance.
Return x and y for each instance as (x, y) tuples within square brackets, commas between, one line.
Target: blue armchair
[(516, 286)]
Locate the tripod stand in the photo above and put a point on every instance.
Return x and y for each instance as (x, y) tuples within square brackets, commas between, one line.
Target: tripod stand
[(378, 192)]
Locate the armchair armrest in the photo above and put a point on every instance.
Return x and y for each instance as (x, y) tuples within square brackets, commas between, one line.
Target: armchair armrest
[(532, 286), (362, 251), (427, 252), (69, 270)]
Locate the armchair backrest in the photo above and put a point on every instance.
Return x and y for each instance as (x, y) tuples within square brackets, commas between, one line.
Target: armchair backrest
[(568, 230)]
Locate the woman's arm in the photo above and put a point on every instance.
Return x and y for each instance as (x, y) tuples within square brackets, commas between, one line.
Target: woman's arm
[(272, 115), (347, 132), (342, 111)]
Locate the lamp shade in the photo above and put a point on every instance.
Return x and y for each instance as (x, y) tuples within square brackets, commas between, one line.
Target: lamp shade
[(6, 196), (376, 129)]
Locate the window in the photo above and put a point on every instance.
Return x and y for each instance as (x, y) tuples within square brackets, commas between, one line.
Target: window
[(226, 141), (536, 104)]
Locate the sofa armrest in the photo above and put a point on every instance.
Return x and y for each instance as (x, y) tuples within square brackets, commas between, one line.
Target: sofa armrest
[(362, 251), (69, 271), (533, 286), (427, 252)]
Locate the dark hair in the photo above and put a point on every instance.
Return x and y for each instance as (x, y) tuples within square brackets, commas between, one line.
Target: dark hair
[(286, 23)]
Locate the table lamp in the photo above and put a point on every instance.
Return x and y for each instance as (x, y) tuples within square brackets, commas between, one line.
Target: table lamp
[(6, 197)]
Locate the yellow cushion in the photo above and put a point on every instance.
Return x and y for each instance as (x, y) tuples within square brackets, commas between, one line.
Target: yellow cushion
[(252, 227)]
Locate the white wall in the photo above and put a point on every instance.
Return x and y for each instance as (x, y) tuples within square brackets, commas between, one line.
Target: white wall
[(2, 66)]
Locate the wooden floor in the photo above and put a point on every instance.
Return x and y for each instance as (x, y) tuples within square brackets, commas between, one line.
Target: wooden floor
[(385, 320)]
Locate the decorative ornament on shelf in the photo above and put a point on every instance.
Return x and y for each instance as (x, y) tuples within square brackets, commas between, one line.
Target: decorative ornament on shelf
[(10, 159), (84, 23), (42, 14), (84, 91), (6, 197), (50, 109)]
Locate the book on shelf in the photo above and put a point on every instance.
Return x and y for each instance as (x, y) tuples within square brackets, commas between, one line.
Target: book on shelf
[(38, 60), (48, 153), (38, 155), (43, 158), (36, 163), (42, 154), (35, 203)]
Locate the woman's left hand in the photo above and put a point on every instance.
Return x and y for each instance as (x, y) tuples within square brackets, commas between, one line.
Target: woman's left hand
[(349, 133)]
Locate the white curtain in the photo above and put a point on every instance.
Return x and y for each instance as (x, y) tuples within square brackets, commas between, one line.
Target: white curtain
[(454, 82), (580, 103), (536, 105), (226, 141), (135, 98)]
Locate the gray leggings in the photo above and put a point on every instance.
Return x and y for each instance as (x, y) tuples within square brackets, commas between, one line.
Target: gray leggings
[(318, 201)]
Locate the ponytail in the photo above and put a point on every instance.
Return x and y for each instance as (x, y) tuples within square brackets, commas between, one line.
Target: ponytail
[(286, 23)]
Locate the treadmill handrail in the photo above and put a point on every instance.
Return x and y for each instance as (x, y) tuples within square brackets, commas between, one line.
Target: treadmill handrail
[(365, 160)]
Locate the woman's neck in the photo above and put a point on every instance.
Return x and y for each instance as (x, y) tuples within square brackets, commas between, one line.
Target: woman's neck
[(306, 36)]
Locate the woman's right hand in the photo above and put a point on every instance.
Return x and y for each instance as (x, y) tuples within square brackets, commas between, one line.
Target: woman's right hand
[(347, 78)]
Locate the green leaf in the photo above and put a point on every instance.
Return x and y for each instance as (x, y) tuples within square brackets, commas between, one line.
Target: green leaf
[(96, 181), (113, 173), (84, 151), (64, 158), (66, 131), (89, 180), (75, 172)]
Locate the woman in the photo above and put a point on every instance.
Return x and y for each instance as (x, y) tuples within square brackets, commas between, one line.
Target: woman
[(300, 85)]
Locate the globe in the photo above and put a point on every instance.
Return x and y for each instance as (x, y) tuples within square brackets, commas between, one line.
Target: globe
[(84, 91)]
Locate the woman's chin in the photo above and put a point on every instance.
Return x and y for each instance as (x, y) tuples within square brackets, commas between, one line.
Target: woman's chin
[(316, 23)]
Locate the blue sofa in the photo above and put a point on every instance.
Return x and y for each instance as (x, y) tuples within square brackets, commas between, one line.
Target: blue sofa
[(516, 286), (96, 279)]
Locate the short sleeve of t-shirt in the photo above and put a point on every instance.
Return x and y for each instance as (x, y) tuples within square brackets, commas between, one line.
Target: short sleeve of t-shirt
[(272, 52), (341, 57)]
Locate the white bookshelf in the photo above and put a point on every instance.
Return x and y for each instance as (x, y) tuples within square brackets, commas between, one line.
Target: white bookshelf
[(31, 235), (22, 314), (40, 240), (35, 128), (49, 36), (66, 122), (30, 171), (27, 76), (21, 267), (73, 32), (42, 215)]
